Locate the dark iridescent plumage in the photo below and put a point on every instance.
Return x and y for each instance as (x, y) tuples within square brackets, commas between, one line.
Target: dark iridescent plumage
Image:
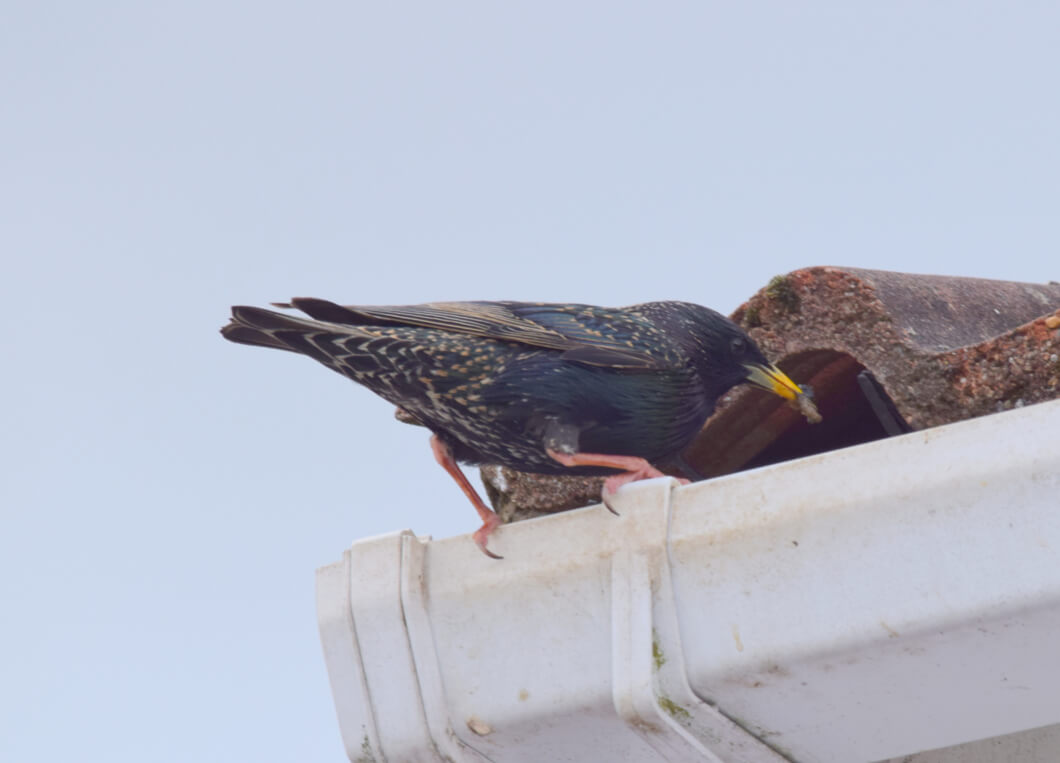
[(518, 383)]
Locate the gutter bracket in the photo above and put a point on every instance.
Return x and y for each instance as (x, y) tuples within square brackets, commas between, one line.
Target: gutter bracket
[(650, 689)]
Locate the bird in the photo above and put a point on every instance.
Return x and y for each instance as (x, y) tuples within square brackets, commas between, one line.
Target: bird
[(547, 388)]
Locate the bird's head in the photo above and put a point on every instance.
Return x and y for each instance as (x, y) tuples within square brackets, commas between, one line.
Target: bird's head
[(723, 353)]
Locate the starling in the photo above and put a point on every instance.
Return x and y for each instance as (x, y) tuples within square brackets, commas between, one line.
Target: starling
[(537, 387)]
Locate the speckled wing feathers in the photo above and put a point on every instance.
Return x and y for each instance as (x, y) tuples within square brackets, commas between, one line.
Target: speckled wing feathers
[(398, 363), (585, 334)]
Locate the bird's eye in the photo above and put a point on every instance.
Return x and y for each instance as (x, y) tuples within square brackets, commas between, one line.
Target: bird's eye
[(738, 345)]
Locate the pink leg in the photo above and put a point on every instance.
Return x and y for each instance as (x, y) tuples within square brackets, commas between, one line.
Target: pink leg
[(490, 521), (633, 469)]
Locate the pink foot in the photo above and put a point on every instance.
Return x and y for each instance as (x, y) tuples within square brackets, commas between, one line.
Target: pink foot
[(633, 469), (482, 534), (443, 454)]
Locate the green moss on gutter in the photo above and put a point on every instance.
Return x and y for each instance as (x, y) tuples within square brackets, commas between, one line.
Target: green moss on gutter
[(657, 655), (366, 756), (675, 711)]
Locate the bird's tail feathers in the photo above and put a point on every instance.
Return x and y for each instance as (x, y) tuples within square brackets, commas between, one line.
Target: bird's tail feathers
[(267, 328)]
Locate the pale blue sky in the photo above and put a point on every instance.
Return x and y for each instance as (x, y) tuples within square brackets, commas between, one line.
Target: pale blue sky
[(166, 496)]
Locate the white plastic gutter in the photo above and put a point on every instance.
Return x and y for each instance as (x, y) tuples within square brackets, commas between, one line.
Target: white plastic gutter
[(859, 605)]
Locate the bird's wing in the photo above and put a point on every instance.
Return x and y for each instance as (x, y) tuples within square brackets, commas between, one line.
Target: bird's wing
[(585, 334)]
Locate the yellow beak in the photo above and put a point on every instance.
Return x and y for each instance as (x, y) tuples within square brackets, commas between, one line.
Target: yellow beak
[(772, 379)]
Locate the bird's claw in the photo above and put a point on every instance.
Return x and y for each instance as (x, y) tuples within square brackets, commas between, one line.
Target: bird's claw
[(481, 536), (612, 484)]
